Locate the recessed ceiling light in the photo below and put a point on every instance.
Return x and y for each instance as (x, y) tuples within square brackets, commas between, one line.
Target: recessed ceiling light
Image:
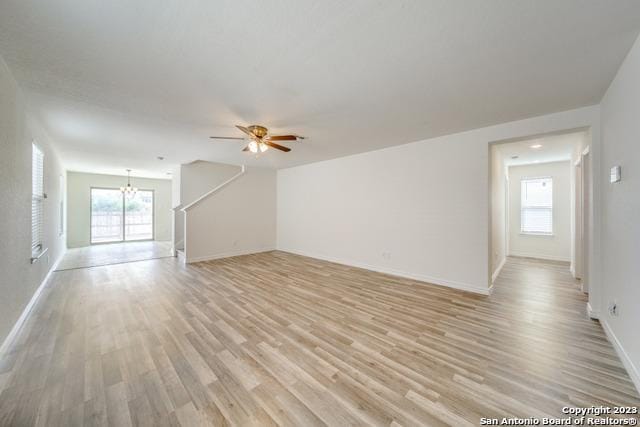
[(535, 146)]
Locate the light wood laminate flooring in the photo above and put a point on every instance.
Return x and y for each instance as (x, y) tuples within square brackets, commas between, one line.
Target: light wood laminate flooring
[(280, 339)]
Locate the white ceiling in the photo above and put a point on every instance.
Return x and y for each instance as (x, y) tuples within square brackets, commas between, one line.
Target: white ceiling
[(552, 148), (120, 82)]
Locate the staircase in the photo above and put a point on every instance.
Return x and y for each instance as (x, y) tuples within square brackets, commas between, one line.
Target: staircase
[(180, 222)]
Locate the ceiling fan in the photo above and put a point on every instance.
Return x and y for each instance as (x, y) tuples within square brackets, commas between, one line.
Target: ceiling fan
[(260, 140)]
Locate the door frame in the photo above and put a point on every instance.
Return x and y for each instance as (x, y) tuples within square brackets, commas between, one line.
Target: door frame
[(590, 228), (586, 220), (124, 240), (578, 224)]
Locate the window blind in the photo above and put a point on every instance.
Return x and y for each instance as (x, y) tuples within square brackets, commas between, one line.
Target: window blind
[(37, 198), (536, 216)]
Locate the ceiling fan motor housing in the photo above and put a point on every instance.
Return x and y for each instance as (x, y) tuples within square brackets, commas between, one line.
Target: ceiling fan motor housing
[(259, 131)]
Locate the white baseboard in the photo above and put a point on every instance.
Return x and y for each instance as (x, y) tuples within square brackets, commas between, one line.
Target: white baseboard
[(178, 245), (420, 277), (190, 260), (632, 370), (593, 314), (540, 256), (32, 302), (498, 270)]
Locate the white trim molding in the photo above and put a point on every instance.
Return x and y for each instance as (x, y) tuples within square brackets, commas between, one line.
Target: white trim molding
[(496, 273), (428, 280), (540, 256), (181, 256), (229, 254), (593, 314), (27, 310), (632, 370)]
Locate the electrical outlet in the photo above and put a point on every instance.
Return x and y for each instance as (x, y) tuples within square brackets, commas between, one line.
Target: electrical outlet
[(386, 255), (614, 310)]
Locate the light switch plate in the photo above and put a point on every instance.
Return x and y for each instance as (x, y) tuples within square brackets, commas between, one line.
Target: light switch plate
[(616, 174)]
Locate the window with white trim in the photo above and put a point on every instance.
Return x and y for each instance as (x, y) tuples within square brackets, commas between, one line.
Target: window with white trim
[(61, 207), (37, 198), (536, 206)]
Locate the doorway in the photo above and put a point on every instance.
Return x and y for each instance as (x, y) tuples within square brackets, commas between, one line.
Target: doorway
[(540, 203), (117, 217)]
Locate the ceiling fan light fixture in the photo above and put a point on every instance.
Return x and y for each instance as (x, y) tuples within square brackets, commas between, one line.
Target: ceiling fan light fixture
[(260, 140), (253, 147)]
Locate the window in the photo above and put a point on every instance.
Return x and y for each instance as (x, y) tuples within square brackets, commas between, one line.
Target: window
[(37, 199), (536, 205)]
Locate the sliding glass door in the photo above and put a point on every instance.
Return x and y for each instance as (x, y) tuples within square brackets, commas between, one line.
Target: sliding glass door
[(116, 217), (107, 215), (138, 216)]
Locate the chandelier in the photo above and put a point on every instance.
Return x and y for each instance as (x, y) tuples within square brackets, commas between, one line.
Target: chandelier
[(128, 190)]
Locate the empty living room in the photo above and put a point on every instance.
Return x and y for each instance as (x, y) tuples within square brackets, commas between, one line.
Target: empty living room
[(319, 213)]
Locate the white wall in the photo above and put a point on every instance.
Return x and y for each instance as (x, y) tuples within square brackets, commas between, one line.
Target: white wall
[(558, 246), (418, 210), (620, 210), (190, 182), (79, 204), (498, 249), (238, 219), (19, 279), (175, 186), (199, 177)]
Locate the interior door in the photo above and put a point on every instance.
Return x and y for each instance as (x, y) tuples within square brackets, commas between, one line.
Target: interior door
[(107, 215), (138, 216)]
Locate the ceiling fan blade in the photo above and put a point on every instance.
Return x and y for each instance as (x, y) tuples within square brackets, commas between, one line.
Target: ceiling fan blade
[(226, 137), (247, 131), (246, 148), (277, 146), (282, 138)]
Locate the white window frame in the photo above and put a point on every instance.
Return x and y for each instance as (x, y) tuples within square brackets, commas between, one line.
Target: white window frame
[(522, 207), (61, 207), (37, 202)]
